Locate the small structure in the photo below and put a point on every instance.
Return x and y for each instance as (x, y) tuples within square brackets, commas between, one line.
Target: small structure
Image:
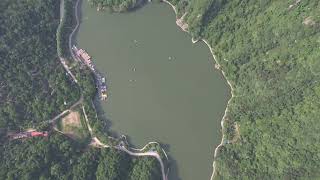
[(84, 56), (103, 89), (28, 135)]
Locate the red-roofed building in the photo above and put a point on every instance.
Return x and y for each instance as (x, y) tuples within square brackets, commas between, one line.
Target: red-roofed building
[(84, 56)]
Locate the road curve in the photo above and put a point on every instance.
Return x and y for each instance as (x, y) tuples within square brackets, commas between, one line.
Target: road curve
[(122, 148), (150, 153)]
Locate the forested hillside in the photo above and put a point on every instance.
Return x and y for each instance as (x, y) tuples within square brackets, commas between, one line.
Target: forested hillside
[(60, 158), (33, 83), (116, 5), (270, 53)]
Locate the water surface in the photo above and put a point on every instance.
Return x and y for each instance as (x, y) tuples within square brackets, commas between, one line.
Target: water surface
[(161, 86)]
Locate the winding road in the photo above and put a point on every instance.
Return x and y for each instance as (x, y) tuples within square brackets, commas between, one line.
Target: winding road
[(76, 7), (121, 147), (62, 60), (149, 153)]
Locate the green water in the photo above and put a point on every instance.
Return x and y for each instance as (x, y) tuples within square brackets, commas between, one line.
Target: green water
[(161, 86)]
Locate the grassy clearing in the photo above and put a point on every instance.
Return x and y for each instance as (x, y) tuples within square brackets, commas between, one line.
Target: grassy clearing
[(73, 125)]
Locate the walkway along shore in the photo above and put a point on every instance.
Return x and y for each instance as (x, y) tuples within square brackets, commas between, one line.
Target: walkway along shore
[(182, 25), (121, 146)]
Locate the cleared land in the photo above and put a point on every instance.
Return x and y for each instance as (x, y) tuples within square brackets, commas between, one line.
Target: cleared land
[(71, 125)]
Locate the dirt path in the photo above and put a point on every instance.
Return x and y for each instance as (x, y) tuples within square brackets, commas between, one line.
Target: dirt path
[(87, 121), (237, 134), (66, 111), (58, 116)]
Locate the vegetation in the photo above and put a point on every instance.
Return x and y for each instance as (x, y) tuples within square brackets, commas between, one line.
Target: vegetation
[(65, 28), (34, 88), (57, 157), (116, 5), (74, 126), (88, 88), (269, 51), (33, 84)]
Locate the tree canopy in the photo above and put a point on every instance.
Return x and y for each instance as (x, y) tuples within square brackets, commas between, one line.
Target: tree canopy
[(33, 83), (269, 51), (58, 157)]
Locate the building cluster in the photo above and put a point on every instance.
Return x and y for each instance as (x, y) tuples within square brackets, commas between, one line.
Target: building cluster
[(84, 57)]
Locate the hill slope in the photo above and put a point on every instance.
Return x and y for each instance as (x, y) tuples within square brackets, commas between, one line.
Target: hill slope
[(270, 53)]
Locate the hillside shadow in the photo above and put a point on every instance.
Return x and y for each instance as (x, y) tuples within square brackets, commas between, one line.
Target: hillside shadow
[(171, 164)]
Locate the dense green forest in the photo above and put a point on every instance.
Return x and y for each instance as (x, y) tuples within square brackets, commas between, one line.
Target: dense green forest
[(33, 84), (269, 50), (57, 157), (116, 5)]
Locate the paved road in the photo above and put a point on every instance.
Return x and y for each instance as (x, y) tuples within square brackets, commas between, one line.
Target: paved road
[(74, 30), (150, 153), (123, 148), (62, 60)]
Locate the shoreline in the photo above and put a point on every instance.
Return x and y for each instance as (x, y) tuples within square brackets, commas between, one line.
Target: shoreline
[(154, 154), (225, 112), (179, 22)]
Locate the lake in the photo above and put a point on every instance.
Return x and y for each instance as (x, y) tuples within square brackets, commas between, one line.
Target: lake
[(161, 86)]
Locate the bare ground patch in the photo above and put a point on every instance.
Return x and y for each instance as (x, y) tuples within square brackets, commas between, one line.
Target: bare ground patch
[(237, 133), (309, 21), (71, 125), (72, 119)]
